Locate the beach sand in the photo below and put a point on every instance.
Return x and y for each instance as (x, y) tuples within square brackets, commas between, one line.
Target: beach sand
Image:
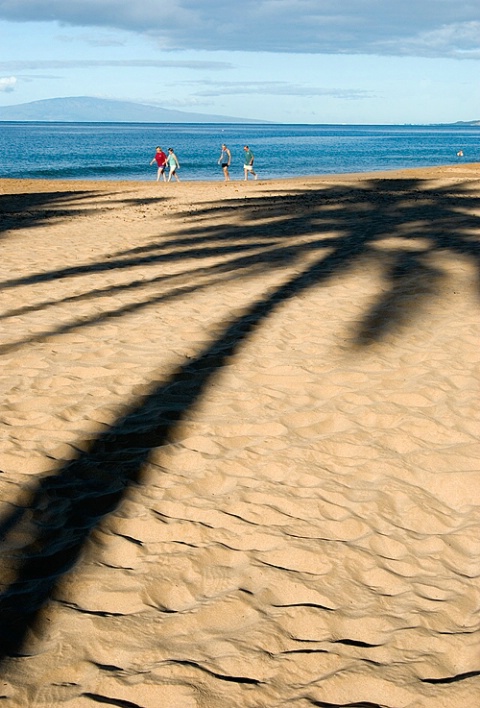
[(239, 442)]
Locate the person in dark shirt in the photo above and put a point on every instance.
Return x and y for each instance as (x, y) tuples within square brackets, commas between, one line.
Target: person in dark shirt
[(224, 160)]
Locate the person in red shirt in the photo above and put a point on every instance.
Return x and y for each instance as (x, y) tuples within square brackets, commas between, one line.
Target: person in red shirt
[(161, 159)]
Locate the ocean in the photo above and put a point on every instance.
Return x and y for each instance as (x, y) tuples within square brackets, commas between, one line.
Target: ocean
[(122, 151)]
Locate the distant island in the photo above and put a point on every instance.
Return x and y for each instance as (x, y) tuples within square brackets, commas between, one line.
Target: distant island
[(84, 109), (466, 122)]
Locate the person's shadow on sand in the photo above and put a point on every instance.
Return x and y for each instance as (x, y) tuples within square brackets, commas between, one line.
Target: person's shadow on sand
[(68, 505)]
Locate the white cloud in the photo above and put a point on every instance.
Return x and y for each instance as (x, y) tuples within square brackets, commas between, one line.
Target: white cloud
[(7, 84), (133, 63), (276, 88), (457, 40), (392, 27)]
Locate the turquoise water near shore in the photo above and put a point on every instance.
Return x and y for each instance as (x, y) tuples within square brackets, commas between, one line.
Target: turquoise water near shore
[(122, 151)]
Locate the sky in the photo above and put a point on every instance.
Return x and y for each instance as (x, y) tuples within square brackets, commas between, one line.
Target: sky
[(286, 61)]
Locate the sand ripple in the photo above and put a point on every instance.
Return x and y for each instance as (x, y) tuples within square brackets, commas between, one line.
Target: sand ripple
[(239, 455)]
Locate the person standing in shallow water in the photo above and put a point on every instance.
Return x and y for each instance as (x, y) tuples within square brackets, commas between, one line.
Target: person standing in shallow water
[(248, 160), (173, 165), (161, 159), (224, 160)]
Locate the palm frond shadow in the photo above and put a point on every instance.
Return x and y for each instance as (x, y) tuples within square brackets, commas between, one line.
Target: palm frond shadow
[(68, 505), (32, 210)]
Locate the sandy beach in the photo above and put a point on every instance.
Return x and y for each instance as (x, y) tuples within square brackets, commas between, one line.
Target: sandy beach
[(239, 452)]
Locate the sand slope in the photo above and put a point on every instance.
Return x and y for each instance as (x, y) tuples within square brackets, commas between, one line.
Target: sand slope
[(239, 442)]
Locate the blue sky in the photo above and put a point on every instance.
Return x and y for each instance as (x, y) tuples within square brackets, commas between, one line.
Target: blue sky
[(289, 61)]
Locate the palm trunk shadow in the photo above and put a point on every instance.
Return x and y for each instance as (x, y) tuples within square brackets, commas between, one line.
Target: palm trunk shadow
[(68, 505)]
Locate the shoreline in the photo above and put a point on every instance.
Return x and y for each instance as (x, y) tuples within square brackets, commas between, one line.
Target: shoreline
[(470, 168)]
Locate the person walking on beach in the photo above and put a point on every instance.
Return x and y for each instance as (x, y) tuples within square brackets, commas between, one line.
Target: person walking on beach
[(248, 163), (161, 159), (173, 165), (224, 160)]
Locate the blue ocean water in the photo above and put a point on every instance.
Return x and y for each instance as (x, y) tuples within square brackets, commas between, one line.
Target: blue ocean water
[(122, 151)]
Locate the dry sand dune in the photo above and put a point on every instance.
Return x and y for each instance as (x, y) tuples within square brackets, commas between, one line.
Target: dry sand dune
[(239, 442)]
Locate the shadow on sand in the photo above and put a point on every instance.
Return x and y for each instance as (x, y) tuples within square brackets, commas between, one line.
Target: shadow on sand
[(339, 228)]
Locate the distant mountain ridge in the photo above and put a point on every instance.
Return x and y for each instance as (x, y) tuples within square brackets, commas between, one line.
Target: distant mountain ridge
[(85, 109)]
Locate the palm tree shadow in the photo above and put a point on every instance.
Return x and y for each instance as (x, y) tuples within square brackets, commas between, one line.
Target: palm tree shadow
[(367, 213), (412, 282), (68, 505), (34, 209)]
